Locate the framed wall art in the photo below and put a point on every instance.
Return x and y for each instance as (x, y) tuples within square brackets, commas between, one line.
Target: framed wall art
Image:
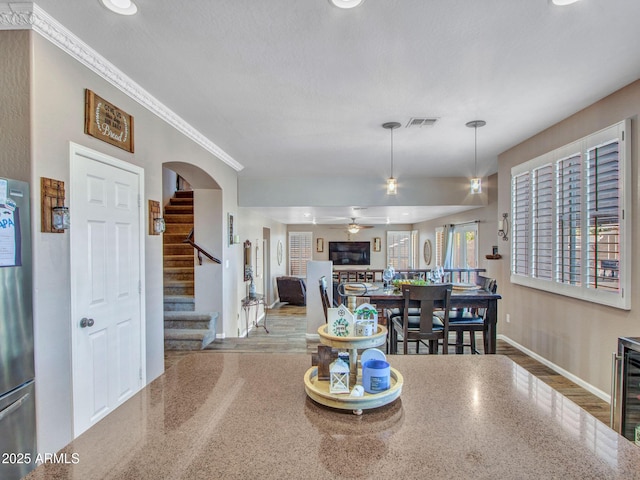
[(319, 245), (376, 244), (230, 227)]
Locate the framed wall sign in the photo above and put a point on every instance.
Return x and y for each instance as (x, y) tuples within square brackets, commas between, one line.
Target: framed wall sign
[(319, 245), (107, 122), (376, 244)]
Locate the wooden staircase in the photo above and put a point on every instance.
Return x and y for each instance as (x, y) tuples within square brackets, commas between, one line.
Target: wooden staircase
[(184, 329)]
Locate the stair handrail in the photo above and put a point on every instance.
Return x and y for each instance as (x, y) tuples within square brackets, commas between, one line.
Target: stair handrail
[(200, 250)]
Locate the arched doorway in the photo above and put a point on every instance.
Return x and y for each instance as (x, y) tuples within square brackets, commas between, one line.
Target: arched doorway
[(193, 284)]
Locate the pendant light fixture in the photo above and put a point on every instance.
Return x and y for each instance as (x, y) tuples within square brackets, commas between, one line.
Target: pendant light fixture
[(476, 182), (392, 183)]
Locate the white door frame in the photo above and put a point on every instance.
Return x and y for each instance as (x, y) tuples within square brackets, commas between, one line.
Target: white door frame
[(79, 150)]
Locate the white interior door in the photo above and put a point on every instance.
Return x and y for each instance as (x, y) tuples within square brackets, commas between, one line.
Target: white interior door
[(106, 291)]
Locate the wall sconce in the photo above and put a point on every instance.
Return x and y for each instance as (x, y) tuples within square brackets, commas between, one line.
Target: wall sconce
[(53, 214), (60, 218), (503, 227)]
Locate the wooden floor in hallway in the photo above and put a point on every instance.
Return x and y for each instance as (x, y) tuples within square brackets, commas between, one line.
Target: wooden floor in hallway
[(287, 328)]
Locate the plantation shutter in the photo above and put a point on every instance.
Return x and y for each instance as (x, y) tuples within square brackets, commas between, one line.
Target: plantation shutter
[(603, 211), (399, 250), (439, 258), (520, 195), (543, 222), (299, 252), (569, 217)]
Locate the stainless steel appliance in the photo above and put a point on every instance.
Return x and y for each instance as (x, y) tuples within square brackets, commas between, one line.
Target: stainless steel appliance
[(625, 412), (17, 386)]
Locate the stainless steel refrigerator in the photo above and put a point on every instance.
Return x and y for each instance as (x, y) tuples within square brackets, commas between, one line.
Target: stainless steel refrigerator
[(17, 386)]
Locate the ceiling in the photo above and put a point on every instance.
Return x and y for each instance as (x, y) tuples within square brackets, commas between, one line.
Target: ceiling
[(304, 87)]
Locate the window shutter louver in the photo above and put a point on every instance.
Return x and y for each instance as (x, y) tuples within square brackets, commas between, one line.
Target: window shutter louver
[(569, 209), (603, 211), (520, 195), (299, 252), (399, 250), (543, 222)]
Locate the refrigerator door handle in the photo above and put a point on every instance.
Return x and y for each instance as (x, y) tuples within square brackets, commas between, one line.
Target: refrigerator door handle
[(14, 406), (615, 384)]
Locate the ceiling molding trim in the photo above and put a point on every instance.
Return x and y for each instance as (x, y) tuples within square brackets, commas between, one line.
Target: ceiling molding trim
[(28, 16)]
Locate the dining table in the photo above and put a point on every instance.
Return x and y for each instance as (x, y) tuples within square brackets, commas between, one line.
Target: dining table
[(463, 296)]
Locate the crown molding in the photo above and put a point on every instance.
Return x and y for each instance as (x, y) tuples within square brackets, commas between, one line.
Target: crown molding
[(28, 16)]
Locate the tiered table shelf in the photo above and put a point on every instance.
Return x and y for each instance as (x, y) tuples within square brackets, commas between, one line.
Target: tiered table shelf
[(318, 390)]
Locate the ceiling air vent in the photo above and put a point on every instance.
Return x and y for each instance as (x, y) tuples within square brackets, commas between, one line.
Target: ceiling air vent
[(421, 122)]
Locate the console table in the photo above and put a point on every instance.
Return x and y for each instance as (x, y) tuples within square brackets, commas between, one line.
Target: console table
[(254, 301)]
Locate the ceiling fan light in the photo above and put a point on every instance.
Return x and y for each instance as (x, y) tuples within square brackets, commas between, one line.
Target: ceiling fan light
[(353, 228), (392, 186), (476, 185)]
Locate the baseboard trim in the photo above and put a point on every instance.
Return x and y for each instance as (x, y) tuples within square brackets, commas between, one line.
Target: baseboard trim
[(577, 380)]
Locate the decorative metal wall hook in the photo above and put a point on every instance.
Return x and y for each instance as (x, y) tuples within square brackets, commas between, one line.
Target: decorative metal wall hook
[(503, 227)]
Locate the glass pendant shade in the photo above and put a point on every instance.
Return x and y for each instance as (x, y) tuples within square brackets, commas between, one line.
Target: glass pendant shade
[(392, 186), (476, 185), (392, 183)]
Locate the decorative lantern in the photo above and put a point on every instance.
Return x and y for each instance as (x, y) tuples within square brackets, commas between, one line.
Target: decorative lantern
[(339, 377)]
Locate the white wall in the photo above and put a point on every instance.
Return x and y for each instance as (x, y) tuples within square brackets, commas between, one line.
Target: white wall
[(487, 218), (57, 117), (208, 234), (250, 226)]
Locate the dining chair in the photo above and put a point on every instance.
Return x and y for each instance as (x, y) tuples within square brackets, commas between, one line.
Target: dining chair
[(472, 320), (324, 296), (426, 326)]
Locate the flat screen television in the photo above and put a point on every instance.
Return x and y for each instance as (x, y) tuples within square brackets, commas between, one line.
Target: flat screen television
[(350, 253)]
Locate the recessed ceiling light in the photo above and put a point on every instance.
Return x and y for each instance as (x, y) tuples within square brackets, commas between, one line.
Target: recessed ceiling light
[(346, 3), (563, 2), (122, 7)]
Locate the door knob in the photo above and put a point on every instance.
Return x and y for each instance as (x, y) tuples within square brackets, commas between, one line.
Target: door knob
[(86, 322)]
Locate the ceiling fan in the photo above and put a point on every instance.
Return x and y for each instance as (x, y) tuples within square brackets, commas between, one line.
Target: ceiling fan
[(354, 227)]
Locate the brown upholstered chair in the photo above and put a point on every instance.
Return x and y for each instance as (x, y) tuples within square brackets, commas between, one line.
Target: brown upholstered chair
[(426, 326), (292, 290)]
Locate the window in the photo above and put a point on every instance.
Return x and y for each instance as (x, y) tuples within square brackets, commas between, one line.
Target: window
[(402, 249), (570, 234), (568, 219), (299, 252), (542, 227), (520, 193), (464, 247), (464, 252), (439, 258)]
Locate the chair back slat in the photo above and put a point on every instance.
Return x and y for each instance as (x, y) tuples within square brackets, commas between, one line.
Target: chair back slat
[(429, 298), (324, 296)]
